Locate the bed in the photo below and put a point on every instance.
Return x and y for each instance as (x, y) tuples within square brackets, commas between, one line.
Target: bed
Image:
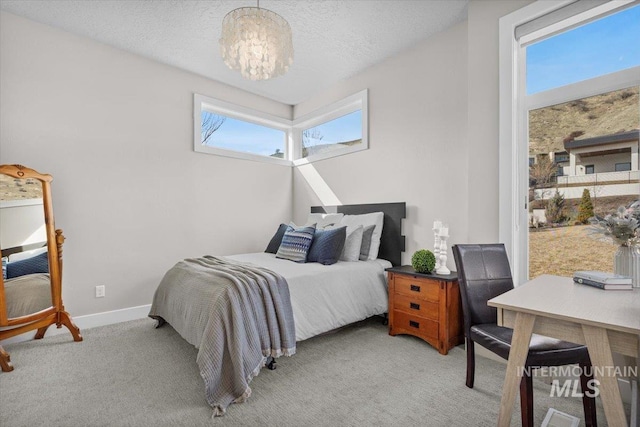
[(243, 311), (27, 284)]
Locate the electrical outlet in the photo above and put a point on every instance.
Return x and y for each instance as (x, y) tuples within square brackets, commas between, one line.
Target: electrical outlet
[(100, 291)]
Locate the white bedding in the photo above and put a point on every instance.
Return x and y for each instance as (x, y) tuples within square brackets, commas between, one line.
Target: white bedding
[(326, 297)]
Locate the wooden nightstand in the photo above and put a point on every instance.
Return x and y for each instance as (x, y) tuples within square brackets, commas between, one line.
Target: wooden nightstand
[(427, 306)]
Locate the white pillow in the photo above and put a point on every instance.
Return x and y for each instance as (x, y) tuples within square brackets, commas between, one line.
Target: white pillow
[(323, 220), (26, 254), (351, 250), (376, 219)]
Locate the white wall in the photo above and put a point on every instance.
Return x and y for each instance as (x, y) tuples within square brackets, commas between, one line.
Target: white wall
[(115, 131), (22, 224), (482, 107), (417, 136), (433, 129)]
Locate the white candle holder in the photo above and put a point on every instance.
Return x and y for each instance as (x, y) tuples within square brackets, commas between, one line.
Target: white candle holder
[(436, 247), (442, 269)]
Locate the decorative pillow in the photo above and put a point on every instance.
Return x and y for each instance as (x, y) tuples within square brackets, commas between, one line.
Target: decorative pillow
[(367, 234), (275, 241), (327, 245), (323, 220), (296, 243), (36, 264), (351, 250), (376, 218)]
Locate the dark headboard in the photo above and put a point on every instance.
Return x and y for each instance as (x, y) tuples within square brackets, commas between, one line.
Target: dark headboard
[(392, 240)]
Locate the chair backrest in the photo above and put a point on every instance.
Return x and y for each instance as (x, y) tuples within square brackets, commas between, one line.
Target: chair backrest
[(483, 273)]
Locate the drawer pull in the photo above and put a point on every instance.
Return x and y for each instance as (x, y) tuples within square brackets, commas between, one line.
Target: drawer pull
[(414, 324), (414, 306), (415, 288)]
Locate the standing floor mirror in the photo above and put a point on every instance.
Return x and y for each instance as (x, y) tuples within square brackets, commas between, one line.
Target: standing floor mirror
[(31, 249)]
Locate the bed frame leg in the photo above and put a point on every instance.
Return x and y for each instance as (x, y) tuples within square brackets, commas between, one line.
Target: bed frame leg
[(271, 363)]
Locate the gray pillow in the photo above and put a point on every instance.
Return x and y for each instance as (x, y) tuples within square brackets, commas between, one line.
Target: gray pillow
[(275, 241), (367, 234), (351, 251)]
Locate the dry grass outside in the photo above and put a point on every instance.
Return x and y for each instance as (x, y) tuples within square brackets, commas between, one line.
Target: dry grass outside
[(564, 250)]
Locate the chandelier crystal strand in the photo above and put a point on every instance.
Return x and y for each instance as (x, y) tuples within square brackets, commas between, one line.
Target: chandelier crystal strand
[(257, 42)]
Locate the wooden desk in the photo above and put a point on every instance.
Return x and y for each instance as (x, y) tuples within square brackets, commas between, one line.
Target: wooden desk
[(554, 306)]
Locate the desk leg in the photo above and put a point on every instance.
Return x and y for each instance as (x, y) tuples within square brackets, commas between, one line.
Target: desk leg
[(600, 353), (635, 392), (522, 329)]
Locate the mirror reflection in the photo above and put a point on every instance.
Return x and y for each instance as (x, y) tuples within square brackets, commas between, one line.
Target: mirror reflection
[(23, 242)]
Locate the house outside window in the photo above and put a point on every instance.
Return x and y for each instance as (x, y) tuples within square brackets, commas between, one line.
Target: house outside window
[(589, 169)]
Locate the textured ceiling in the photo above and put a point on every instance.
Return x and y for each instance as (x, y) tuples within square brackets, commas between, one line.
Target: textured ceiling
[(333, 40)]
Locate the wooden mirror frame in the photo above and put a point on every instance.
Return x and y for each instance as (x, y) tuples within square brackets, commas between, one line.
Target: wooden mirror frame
[(55, 314)]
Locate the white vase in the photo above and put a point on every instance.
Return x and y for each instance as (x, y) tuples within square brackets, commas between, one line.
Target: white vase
[(626, 262)]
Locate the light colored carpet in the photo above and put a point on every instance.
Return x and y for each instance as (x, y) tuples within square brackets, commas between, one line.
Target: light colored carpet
[(131, 374)]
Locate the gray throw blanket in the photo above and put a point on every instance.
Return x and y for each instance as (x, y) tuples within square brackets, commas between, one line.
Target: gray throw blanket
[(236, 314)]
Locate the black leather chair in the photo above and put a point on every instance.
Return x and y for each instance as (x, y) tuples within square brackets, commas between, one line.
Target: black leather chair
[(484, 273)]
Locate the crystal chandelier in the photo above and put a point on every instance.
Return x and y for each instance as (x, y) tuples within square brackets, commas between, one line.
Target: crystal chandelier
[(257, 42)]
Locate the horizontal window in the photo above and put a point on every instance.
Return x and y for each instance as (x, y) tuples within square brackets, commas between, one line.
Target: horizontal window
[(560, 158), (337, 129), (622, 167), (229, 130), (333, 135)]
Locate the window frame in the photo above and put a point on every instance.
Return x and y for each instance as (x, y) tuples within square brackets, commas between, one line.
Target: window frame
[(514, 105), (350, 104), (216, 106)]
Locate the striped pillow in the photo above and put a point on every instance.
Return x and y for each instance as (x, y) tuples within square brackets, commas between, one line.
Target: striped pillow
[(296, 243)]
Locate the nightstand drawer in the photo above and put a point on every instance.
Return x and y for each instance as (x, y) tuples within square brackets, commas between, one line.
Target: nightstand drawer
[(416, 325), (416, 307), (417, 288)]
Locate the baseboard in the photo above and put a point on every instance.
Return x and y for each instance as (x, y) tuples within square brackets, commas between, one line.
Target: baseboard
[(90, 321)]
